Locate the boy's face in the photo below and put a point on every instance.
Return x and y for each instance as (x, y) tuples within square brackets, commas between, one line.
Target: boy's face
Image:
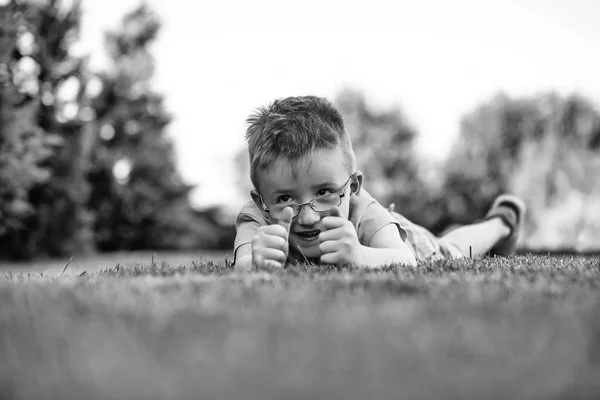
[(321, 174)]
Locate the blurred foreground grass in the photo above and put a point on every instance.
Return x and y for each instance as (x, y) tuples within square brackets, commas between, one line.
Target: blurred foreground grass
[(94, 262), (525, 327)]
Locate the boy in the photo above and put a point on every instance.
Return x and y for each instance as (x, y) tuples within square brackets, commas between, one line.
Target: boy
[(308, 203)]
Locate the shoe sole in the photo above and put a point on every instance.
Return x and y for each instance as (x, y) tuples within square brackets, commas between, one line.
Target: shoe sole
[(509, 245)]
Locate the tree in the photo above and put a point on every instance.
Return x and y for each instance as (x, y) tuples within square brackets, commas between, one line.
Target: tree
[(138, 196), (44, 191)]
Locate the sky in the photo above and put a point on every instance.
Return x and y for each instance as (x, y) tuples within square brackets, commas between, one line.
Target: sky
[(218, 61)]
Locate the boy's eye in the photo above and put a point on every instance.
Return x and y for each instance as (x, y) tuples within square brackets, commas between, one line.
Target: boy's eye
[(324, 192), (285, 199)]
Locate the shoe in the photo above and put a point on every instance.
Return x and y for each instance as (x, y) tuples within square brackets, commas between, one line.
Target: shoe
[(511, 210)]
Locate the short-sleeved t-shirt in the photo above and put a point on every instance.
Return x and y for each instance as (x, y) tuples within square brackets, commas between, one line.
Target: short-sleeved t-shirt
[(366, 214)]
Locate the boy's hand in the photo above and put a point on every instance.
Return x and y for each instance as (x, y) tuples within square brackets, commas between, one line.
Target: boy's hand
[(339, 242), (270, 243)]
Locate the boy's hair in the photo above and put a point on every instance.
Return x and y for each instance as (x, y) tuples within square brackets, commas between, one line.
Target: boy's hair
[(292, 128)]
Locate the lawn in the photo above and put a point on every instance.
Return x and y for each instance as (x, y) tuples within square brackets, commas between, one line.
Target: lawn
[(525, 327)]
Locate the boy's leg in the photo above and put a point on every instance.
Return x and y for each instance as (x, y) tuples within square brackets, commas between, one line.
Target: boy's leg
[(497, 233), (480, 237)]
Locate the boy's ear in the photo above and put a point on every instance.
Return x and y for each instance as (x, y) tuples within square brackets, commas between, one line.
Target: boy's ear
[(258, 201), (357, 183)]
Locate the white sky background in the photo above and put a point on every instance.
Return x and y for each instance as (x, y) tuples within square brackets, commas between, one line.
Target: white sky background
[(218, 61)]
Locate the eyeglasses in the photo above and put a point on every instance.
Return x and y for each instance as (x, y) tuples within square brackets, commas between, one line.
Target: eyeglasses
[(318, 204)]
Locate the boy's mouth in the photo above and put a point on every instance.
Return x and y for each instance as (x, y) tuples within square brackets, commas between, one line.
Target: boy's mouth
[(308, 235)]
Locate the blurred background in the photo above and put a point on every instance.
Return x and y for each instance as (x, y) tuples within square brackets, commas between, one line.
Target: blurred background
[(122, 122)]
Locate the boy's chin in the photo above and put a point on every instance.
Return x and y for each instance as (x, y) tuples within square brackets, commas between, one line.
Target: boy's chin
[(309, 250)]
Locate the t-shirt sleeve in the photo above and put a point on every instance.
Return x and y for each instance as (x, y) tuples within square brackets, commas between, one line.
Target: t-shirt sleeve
[(247, 222), (374, 219)]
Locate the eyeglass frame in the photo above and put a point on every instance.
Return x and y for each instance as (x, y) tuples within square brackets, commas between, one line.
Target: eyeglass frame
[(311, 202)]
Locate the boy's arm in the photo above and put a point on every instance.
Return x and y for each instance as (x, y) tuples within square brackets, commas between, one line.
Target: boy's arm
[(339, 244), (387, 247), (269, 245), (243, 257)]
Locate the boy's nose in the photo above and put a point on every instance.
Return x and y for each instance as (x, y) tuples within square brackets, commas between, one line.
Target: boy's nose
[(308, 216)]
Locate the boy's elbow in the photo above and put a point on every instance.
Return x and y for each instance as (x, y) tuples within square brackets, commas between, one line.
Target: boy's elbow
[(407, 258)]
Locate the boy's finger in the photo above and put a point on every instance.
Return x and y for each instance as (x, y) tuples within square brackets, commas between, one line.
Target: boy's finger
[(271, 264), (286, 218), (257, 261), (275, 238), (273, 254), (330, 258), (327, 247), (332, 233), (261, 262), (333, 220)]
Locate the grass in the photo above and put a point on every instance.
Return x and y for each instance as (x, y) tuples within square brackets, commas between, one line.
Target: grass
[(521, 327)]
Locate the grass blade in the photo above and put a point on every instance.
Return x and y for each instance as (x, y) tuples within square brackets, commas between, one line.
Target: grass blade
[(68, 262)]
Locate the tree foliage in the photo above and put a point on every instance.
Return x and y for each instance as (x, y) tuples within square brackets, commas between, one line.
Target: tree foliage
[(85, 161), (138, 196), (543, 148), (43, 142)]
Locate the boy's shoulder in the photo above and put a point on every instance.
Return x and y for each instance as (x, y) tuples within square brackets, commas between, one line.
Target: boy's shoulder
[(251, 212), (360, 203), (369, 216)]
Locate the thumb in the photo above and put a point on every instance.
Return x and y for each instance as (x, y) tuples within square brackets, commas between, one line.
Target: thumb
[(286, 218), (335, 212)]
